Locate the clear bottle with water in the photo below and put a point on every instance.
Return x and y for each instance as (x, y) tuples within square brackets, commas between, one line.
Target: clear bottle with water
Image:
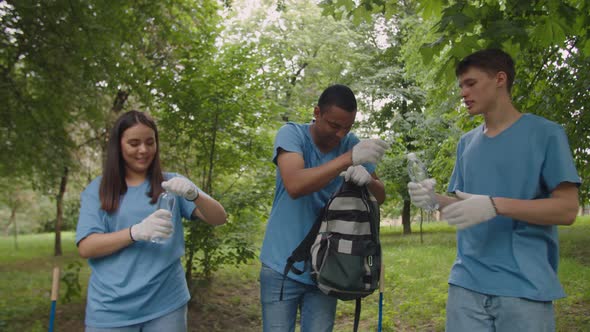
[(418, 173), (166, 201)]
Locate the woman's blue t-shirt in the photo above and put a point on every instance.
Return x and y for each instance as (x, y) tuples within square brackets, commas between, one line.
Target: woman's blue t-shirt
[(142, 281)]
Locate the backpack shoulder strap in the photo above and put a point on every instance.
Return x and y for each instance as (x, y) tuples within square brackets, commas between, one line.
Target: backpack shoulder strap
[(302, 252)]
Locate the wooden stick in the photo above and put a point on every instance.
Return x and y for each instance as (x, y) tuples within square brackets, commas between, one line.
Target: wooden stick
[(381, 288), (55, 284), (54, 295), (382, 278)]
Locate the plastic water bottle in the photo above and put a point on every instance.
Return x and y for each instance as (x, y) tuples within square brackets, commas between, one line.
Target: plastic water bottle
[(418, 173), (166, 201)]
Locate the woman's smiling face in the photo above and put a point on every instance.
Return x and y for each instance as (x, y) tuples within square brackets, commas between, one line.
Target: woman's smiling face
[(138, 148)]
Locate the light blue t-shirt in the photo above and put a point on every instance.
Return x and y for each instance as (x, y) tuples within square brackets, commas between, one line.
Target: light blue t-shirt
[(504, 256), (291, 219), (142, 281)]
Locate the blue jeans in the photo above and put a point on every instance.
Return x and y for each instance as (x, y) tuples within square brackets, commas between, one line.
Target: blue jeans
[(473, 312), (317, 309), (173, 322)]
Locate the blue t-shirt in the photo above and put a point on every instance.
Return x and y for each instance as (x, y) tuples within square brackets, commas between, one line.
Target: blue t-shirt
[(142, 281), (291, 219), (505, 256)]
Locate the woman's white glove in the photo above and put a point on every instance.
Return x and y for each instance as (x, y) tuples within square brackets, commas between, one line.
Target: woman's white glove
[(368, 151), (357, 175), (182, 187), (156, 225), (469, 211), (422, 194)]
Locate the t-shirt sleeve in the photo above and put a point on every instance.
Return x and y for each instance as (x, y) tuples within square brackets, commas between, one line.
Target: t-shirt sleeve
[(456, 182), (289, 139), (91, 215), (187, 207), (559, 164)]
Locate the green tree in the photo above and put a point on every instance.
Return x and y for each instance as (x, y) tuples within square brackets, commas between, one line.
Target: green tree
[(302, 53), (213, 116), (16, 195), (549, 40), (66, 74)]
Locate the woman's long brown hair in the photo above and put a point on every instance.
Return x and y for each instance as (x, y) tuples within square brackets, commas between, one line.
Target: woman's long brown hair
[(113, 184)]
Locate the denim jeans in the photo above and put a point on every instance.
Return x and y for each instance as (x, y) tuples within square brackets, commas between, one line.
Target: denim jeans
[(317, 309), (469, 311), (172, 322)]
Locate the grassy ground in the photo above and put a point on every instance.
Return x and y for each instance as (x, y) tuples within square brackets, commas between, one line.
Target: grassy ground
[(414, 298)]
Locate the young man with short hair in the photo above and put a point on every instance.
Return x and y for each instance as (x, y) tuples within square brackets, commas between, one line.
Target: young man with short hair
[(515, 181), (309, 159)]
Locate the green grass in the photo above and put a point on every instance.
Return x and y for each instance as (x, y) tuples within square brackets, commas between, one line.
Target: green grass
[(414, 297), (26, 278)]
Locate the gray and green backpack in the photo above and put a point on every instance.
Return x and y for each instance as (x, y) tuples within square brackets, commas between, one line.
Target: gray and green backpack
[(342, 248)]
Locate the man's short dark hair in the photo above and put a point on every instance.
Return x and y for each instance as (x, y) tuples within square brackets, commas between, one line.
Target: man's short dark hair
[(490, 60), (337, 95)]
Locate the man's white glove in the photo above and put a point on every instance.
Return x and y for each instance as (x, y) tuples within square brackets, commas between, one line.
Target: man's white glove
[(357, 175), (181, 187), (368, 151), (422, 194), (469, 211), (156, 225)]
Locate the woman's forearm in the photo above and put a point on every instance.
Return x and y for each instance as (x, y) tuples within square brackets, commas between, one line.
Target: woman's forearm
[(103, 244)]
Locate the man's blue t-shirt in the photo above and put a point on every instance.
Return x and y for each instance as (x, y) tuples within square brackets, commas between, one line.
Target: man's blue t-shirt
[(291, 219), (142, 281), (504, 256)]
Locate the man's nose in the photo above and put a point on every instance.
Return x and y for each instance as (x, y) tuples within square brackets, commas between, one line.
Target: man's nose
[(341, 133), (464, 92)]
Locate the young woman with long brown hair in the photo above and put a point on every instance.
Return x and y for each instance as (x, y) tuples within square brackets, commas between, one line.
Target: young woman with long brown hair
[(137, 284)]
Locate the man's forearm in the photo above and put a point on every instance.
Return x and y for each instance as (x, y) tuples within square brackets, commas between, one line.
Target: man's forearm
[(309, 180), (547, 211), (445, 200), (377, 188)]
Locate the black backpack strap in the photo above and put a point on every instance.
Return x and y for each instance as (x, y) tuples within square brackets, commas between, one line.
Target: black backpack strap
[(302, 252), (357, 314), (289, 267), (374, 213)]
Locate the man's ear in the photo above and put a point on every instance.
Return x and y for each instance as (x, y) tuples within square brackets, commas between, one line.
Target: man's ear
[(501, 79), (316, 112)]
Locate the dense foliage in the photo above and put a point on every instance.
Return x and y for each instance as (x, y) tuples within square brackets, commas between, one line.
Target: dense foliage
[(549, 40), (222, 77)]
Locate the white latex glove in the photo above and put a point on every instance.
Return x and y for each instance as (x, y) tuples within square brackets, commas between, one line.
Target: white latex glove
[(471, 210), (156, 225), (182, 187), (368, 151), (357, 175), (422, 194)]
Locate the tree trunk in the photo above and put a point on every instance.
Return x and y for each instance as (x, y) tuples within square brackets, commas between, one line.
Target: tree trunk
[(190, 253), (59, 216), (406, 221), (13, 221), (212, 153), (10, 221), (118, 104), (119, 101)]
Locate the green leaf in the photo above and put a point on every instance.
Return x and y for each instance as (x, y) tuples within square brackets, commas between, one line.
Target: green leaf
[(548, 33), (586, 48), (431, 9), (428, 51)]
